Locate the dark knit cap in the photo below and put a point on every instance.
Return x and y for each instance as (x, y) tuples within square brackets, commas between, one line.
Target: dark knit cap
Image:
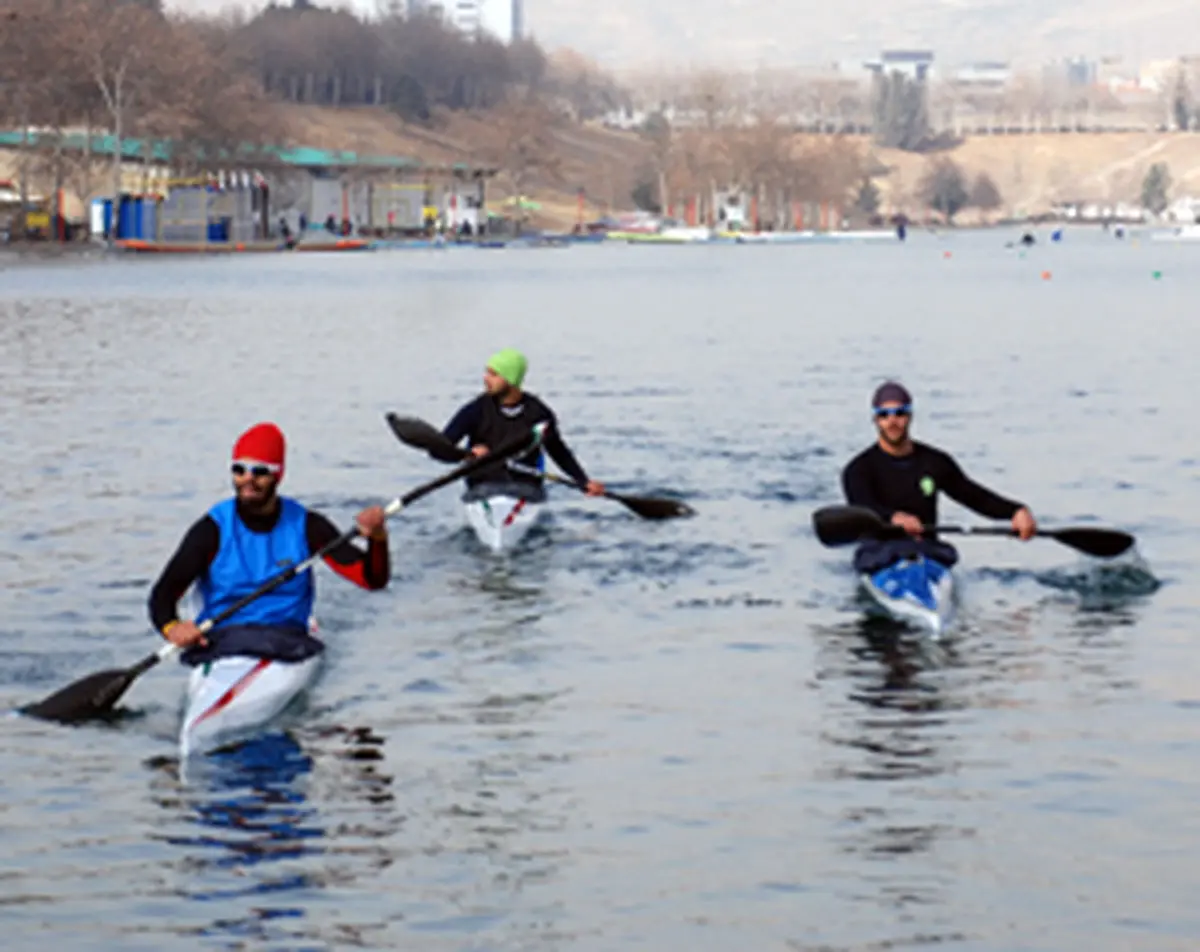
[(890, 392)]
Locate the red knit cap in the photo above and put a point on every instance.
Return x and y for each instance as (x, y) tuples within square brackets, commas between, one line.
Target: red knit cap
[(262, 443)]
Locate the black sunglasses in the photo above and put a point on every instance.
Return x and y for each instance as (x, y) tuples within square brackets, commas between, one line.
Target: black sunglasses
[(881, 412)]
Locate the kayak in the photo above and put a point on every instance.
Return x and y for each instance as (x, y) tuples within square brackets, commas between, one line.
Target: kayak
[(917, 590), (501, 514), (231, 699)]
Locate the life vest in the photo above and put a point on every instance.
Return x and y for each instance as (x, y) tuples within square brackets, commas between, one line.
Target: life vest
[(245, 559)]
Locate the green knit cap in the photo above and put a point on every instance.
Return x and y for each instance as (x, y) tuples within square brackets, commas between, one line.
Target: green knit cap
[(510, 365)]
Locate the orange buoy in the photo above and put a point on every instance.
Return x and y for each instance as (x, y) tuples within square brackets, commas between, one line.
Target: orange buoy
[(1046, 275)]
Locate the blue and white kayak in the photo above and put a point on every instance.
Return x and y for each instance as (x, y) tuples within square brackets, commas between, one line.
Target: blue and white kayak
[(916, 590)]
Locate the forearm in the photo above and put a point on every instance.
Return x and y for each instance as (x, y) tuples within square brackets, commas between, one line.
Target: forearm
[(564, 458), (982, 500), (370, 569), (463, 423)]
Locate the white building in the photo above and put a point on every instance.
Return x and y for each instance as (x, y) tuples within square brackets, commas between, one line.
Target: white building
[(915, 64), (984, 75), (500, 19)]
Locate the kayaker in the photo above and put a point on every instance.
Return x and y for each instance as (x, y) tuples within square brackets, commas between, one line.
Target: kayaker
[(243, 541), (900, 479), (505, 412)]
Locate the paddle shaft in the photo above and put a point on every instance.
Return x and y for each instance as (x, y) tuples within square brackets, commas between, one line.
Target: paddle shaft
[(980, 530), (553, 477)]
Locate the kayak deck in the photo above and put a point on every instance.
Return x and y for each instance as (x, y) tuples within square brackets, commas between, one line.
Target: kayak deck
[(502, 515), (919, 591), (230, 699)]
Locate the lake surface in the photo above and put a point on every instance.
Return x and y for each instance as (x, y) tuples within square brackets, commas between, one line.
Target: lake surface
[(629, 735)]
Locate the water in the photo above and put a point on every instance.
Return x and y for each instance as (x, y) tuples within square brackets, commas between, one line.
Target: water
[(632, 735)]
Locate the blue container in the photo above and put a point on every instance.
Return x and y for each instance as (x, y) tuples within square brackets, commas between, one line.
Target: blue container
[(148, 219), (126, 218), (217, 231)]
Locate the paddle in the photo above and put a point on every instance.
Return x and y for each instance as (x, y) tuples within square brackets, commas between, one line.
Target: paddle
[(841, 525), (95, 695), (648, 507), (423, 436)]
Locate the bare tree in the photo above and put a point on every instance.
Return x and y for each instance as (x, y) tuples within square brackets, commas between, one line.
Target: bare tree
[(128, 75), (525, 149), (943, 188), (984, 194)]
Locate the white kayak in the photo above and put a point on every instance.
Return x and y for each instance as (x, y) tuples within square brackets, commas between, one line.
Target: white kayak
[(232, 699), (919, 591), (502, 514)]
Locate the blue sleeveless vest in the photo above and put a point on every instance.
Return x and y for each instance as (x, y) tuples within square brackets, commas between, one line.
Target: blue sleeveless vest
[(246, 559)]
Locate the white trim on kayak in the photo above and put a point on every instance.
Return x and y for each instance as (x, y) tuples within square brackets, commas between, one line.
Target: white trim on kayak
[(501, 520), (230, 699)]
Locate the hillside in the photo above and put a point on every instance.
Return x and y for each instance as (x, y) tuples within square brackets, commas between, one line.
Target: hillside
[(1034, 171), (1031, 171), (601, 161)]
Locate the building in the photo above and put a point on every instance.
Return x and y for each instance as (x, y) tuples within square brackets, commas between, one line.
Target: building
[(984, 75), (502, 20), (914, 64)]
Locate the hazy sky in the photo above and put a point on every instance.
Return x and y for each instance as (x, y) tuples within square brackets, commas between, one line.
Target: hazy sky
[(625, 33)]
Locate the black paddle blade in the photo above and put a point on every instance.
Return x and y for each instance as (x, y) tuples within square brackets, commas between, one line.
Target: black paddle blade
[(424, 436), (652, 507), (1102, 543), (841, 525), (87, 699)]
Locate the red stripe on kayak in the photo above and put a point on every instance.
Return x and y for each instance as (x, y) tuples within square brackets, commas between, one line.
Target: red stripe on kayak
[(508, 520), (234, 690)]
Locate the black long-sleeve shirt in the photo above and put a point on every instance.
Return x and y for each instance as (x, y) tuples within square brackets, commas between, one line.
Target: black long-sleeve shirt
[(369, 569), (485, 421), (889, 484)]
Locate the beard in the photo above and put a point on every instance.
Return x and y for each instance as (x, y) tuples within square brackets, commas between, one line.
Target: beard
[(894, 436)]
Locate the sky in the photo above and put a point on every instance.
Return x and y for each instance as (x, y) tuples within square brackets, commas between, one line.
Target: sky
[(745, 33)]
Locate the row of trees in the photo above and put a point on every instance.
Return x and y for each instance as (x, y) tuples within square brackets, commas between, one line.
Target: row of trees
[(127, 68), (305, 53), (124, 67), (945, 188), (763, 159)]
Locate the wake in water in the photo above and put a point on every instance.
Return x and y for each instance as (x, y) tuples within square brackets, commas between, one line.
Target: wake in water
[(1100, 584)]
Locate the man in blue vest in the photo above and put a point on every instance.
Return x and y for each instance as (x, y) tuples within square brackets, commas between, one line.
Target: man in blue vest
[(241, 543)]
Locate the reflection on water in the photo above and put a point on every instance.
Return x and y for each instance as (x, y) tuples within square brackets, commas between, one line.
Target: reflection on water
[(895, 678), (257, 821)]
